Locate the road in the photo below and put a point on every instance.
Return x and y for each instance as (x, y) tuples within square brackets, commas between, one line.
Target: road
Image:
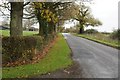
[(96, 60)]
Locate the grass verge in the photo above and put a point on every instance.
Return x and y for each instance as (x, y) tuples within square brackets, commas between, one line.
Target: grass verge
[(58, 57), (25, 33), (112, 44)]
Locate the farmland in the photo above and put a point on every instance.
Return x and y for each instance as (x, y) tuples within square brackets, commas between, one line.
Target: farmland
[(101, 38), (25, 33)]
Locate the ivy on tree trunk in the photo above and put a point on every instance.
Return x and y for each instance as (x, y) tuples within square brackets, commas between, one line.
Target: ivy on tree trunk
[(81, 30)]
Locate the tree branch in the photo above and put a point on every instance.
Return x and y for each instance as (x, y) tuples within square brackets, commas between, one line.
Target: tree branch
[(26, 3), (76, 19), (29, 17)]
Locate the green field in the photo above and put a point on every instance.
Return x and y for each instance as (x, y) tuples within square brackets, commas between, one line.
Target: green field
[(101, 38), (57, 58), (25, 33)]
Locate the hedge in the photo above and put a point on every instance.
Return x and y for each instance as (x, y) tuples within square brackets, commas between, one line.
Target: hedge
[(20, 47), (48, 39)]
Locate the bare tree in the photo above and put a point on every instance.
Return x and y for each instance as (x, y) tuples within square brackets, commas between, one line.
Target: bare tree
[(27, 23), (16, 16)]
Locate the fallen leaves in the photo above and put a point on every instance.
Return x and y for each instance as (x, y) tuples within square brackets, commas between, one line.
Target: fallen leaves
[(66, 71)]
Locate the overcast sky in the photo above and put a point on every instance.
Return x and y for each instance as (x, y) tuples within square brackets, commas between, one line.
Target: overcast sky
[(107, 12)]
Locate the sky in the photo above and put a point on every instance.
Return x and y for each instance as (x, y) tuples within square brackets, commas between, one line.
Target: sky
[(107, 12)]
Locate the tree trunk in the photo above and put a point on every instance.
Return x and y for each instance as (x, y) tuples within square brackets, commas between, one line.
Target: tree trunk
[(81, 30), (54, 28), (40, 28), (16, 19), (51, 27), (45, 29)]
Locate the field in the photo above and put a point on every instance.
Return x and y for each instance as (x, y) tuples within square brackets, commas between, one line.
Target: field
[(101, 38), (25, 33)]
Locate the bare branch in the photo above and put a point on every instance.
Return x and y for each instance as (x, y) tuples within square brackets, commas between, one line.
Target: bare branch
[(26, 3), (5, 5), (29, 17), (76, 19)]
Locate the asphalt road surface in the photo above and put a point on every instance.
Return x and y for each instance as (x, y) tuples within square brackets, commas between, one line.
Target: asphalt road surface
[(96, 60)]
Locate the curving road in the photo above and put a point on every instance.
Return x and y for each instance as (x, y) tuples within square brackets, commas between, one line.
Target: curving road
[(96, 60)]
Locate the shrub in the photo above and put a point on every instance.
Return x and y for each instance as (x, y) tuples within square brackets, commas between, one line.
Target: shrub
[(20, 47), (115, 34), (91, 31), (48, 39)]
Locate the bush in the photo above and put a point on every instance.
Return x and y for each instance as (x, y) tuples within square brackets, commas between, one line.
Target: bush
[(48, 38), (91, 31), (20, 47), (115, 34)]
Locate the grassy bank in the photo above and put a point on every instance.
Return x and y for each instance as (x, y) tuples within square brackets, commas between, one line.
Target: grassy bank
[(101, 38), (25, 33), (58, 57)]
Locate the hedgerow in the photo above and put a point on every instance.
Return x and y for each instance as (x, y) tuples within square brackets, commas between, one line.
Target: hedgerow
[(23, 48)]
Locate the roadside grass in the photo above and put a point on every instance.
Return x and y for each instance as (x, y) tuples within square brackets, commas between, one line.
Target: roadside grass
[(58, 57), (0, 73), (25, 33), (101, 38)]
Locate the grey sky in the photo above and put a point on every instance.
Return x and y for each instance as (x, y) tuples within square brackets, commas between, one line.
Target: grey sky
[(107, 12)]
